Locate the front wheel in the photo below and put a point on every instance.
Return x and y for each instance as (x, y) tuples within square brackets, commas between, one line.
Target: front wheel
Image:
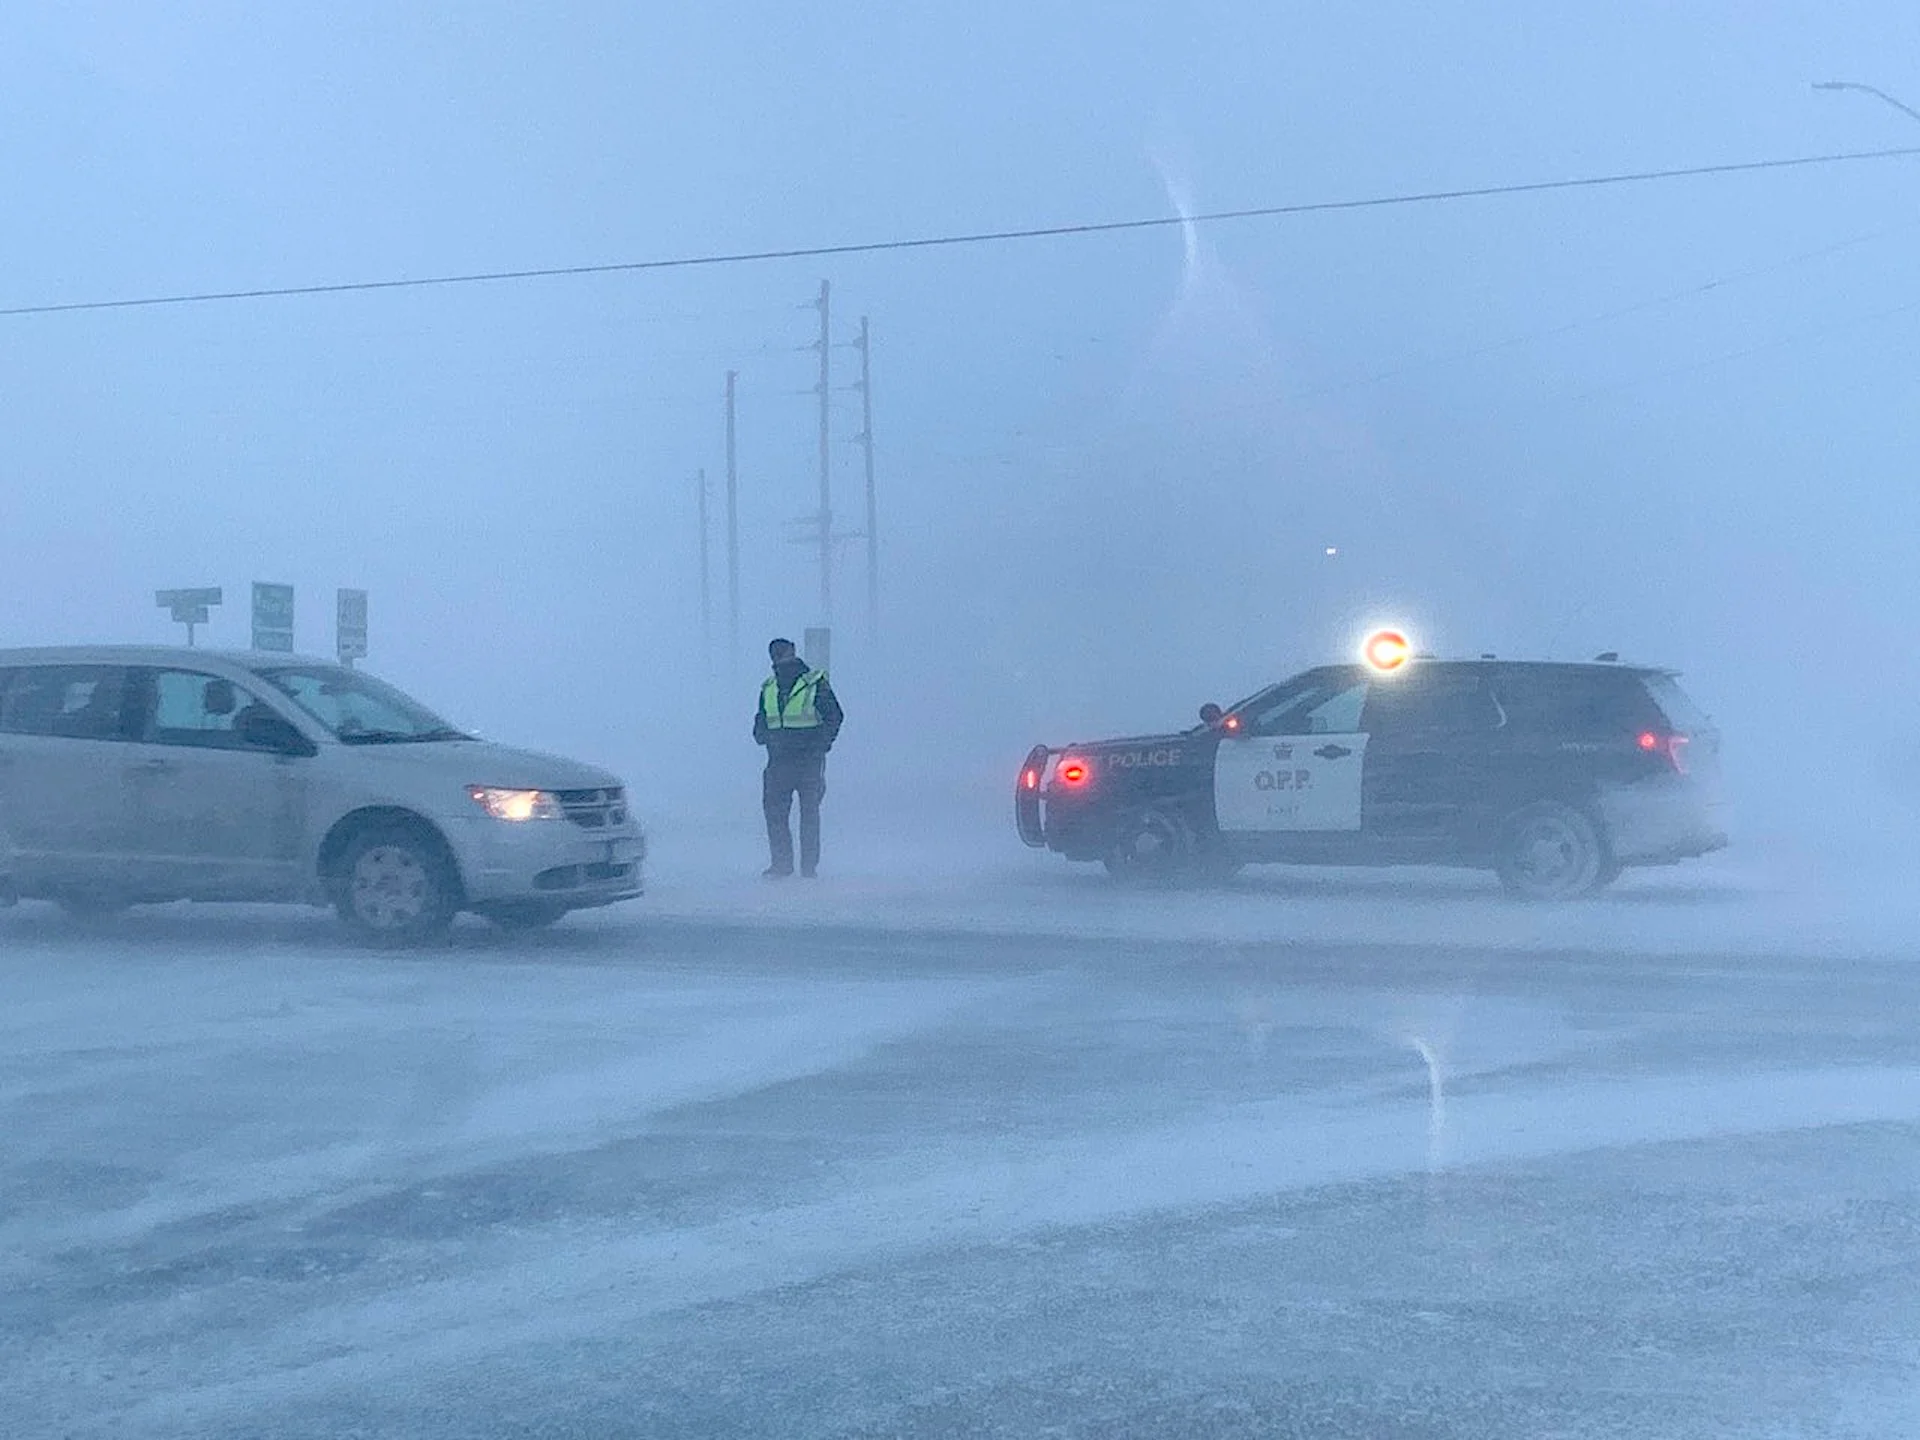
[(1154, 847), (397, 887), (1552, 851)]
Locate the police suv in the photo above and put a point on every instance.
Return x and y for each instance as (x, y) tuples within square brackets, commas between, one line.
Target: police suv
[(1556, 776)]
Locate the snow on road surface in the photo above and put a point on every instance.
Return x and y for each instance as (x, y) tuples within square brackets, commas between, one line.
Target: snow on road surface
[(1780, 894), (903, 1154)]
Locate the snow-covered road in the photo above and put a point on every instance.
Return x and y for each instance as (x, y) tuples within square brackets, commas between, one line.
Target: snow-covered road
[(1352, 1156)]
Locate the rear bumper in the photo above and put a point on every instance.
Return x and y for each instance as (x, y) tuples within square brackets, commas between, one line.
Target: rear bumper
[(1660, 822)]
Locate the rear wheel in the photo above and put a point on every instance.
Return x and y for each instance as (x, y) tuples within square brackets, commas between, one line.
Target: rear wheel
[(1552, 851), (1154, 847), (397, 886)]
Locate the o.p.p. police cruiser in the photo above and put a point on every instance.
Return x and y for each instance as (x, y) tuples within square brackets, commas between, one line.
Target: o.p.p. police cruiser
[(1554, 775)]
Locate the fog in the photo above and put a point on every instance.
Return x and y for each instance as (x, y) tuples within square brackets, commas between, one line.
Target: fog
[(1670, 419), (1118, 474)]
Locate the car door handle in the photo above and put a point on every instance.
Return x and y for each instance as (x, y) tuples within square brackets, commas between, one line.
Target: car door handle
[(158, 767), (1333, 752)]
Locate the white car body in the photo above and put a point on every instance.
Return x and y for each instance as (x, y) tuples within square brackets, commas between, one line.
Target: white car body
[(146, 813)]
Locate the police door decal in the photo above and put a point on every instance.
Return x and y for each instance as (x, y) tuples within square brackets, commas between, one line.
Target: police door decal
[(1289, 783)]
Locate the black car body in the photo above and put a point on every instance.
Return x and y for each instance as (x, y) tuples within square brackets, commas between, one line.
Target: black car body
[(1555, 775)]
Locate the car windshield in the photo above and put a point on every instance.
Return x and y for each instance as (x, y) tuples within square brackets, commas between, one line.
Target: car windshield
[(357, 709)]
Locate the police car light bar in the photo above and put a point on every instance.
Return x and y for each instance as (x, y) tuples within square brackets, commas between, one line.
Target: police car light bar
[(1386, 650)]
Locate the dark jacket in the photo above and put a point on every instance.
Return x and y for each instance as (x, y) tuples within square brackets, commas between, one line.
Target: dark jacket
[(782, 744)]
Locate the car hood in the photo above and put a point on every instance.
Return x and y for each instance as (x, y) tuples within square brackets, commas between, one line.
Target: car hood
[(1139, 742), (481, 762)]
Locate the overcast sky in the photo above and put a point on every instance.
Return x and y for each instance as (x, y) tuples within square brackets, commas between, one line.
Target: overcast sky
[(1677, 419)]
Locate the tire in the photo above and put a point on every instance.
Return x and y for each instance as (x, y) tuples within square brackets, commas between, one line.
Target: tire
[(1154, 847), (522, 916), (1551, 851), (396, 886)]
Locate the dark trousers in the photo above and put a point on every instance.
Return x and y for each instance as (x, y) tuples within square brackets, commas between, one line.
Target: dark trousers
[(804, 775)]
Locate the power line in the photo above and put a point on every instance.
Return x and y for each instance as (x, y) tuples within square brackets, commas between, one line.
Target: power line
[(979, 237)]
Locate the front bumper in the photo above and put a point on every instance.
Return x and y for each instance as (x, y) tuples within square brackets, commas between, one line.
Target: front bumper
[(554, 861)]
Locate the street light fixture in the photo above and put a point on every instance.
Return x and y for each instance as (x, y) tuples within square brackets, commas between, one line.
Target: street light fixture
[(1874, 91)]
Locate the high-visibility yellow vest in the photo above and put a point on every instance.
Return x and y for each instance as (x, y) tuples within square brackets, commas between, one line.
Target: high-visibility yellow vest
[(802, 710)]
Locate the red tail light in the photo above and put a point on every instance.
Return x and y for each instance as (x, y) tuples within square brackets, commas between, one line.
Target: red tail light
[(1674, 747), (1073, 772), (1029, 779)]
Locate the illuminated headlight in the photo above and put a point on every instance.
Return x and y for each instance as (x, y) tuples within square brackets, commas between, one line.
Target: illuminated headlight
[(517, 804)]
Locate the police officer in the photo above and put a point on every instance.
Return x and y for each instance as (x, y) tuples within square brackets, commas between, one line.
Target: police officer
[(798, 720)]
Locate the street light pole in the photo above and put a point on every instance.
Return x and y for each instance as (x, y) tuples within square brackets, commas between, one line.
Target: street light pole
[(1872, 90)]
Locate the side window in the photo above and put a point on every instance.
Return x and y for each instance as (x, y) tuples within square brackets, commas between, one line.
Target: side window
[(73, 702), (1576, 704), (1433, 704), (1326, 709), (186, 707), (1338, 714)]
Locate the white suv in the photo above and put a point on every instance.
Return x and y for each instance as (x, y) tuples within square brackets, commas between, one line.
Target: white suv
[(131, 775)]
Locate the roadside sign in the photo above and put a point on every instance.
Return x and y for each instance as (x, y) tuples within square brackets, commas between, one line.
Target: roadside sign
[(351, 626), (191, 608), (194, 599), (272, 617)]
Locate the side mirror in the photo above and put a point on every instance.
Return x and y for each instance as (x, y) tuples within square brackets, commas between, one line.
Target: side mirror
[(1211, 714), (264, 730)]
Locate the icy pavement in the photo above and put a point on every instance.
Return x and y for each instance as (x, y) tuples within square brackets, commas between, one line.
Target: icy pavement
[(1778, 896), (741, 1173)]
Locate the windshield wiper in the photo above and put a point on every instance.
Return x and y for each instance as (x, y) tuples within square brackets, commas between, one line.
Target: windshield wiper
[(402, 737)]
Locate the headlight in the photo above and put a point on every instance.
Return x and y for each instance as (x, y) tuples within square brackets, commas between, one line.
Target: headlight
[(517, 804)]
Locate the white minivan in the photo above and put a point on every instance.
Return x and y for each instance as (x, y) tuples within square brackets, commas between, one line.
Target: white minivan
[(132, 775)]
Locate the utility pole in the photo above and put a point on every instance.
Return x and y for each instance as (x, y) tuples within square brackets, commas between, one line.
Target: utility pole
[(733, 533), (864, 345), (706, 580), (826, 458)]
